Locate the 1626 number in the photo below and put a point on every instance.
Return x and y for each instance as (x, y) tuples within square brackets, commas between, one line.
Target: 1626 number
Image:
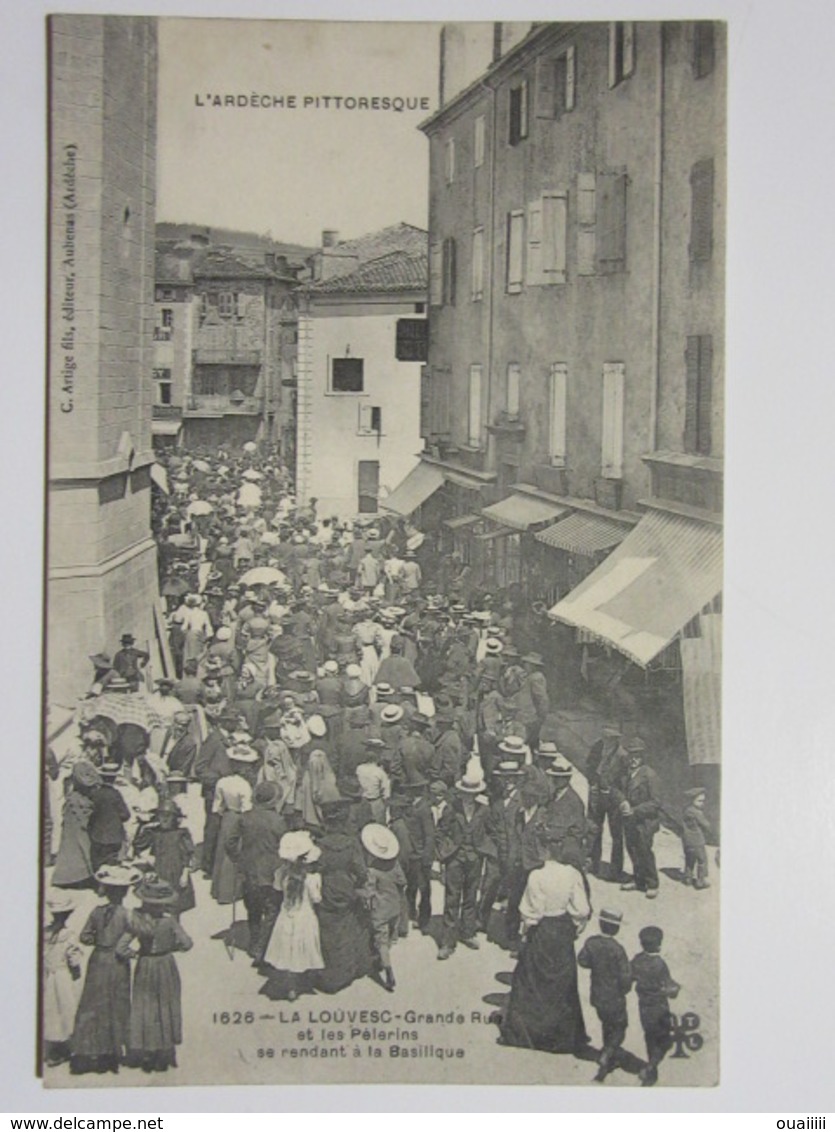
[(233, 1017)]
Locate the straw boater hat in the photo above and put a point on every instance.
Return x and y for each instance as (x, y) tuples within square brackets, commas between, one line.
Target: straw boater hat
[(391, 713), (493, 646), (330, 667), (243, 753), (383, 690), (380, 841), (560, 768), (109, 770), (58, 901), (508, 770), (533, 658), (118, 876), (472, 781), (297, 845), (546, 750), (609, 917), (513, 745)]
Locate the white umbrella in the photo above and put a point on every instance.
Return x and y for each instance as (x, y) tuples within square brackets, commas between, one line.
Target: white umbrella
[(202, 465), (249, 496), (415, 541), (199, 507), (250, 446), (270, 538), (264, 576), (251, 474), (160, 477)]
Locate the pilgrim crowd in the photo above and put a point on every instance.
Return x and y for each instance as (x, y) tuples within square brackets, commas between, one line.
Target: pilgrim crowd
[(359, 723)]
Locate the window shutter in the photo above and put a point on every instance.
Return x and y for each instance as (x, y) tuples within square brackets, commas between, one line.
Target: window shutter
[(524, 109), (450, 161), (703, 48), (701, 210), (535, 264), (426, 429), (514, 376), (612, 439), (364, 413), (570, 78), (474, 409), (628, 48), (611, 222), (691, 395), (545, 87), (586, 217), (560, 68), (613, 54), (436, 274), (705, 406), (449, 271), (477, 280), (557, 415), (554, 220), (478, 142)]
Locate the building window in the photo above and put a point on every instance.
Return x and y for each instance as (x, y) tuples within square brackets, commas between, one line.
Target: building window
[(557, 396), (204, 306), (477, 273), (515, 253), (449, 161), (167, 317), (556, 84), (621, 51), (368, 486), (449, 272), (211, 382), (614, 380), (478, 142), (547, 218), (514, 376), (519, 112), (610, 227), (701, 211), (162, 380), (474, 407), (704, 48), (586, 220), (370, 420), (698, 395), (227, 304), (436, 274), (347, 375)]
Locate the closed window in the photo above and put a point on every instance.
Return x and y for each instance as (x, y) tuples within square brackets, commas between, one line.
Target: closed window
[(557, 394), (610, 228), (515, 253), (167, 317), (449, 271), (514, 377), (162, 383), (614, 379), (477, 273), (518, 125), (546, 236), (698, 408), (478, 142), (621, 51), (474, 407), (227, 304), (347, 375), (449, 161), (701, 211), (586, 223)]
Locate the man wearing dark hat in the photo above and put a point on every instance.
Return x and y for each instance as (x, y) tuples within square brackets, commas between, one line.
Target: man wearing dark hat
[(417, 754), (565, 814), (253, 846), (211, 764), (449, 751), (640, 808), (463, 841), (109, 814), (129, 661), (532, 702), (503, 808), (525, 850), (417, 817), (607, 771)]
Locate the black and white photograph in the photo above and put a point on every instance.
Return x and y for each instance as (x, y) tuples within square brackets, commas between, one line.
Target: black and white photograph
[(384, 567)]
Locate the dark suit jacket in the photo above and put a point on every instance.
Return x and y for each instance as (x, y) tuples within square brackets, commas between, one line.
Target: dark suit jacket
[(611, 975), (254, 844), (456, 834)]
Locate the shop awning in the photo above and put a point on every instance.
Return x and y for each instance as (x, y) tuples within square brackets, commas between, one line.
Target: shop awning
[(461, 521), (159, 476), (421, 482), (664, 572), (165, 428), (522, 511), (584, 533), (497, 532)]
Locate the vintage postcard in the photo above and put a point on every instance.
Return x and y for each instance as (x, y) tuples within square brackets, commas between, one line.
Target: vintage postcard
[(384, 595)]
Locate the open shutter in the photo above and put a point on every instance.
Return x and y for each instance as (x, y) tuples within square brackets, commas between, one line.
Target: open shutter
[(570, 78), (558, 385), (426, 428), (534, 265), (477, 271), (612, 440), (586, 217), (705, 405), (515, 252), (554, 223), (611, 222), (613, 54), (628, 48), (436, 274), (474, 409), (514, 378), (701, 210), (545, 87)]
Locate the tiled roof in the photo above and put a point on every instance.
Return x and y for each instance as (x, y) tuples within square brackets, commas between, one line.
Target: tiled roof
[(223, 264), (400, 237), (397, 271)]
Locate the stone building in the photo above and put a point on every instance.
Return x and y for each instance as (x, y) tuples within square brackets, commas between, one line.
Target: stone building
[(361, 343), (101, 558)]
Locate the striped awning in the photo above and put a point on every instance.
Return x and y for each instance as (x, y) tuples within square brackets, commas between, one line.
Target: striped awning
[(421, 482), (666, 570), (584, 533), (521, 511), (461, 521)]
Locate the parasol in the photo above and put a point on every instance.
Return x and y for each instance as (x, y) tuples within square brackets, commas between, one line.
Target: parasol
[(270, 538), (251, 474), (414, 541), (264, 576), (199, 507), (250, 446), (202, 465), (123, 708)]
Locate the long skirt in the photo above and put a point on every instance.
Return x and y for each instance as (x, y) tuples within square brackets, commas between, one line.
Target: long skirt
[(156, 1020), (345, 938), (101, 1021), (227, 880), (544, 1011)]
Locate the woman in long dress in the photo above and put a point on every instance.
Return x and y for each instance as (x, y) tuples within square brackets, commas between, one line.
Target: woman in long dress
[(544, 1010), (233, 797), (294, 948), (156, 1017), (74, 864), (61, 986), (100, 1034), (344, 924)]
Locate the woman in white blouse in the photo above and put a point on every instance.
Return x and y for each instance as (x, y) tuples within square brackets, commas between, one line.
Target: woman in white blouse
[(544, 1010)]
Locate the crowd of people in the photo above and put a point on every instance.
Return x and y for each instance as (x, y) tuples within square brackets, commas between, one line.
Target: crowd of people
[(359, 722)]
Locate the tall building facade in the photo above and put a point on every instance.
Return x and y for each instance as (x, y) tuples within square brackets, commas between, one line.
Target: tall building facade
[(101, 558)]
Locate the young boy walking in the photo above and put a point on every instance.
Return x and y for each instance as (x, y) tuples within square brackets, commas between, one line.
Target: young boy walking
[(611, 978), (655, 987)]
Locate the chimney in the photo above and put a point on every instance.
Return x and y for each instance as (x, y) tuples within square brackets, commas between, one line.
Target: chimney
[(330, 237), (497, 41)]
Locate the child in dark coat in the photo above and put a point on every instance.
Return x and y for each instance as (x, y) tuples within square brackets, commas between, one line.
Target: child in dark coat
[(695, 828), (655, 987), (386, 885), (611, 978)]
